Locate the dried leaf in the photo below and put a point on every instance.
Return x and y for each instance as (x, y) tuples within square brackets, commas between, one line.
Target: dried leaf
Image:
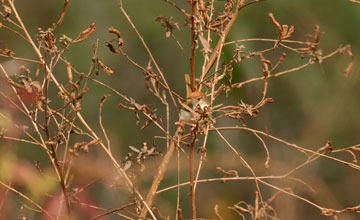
[(134, 149), (146, 124), (147, 84), (120, 40), (168, 34), (272, 18), (348, 68), (63, 13), (317, 34), (137, 118), (69, 71), (284, 31), (205, 43), (7, 9), (168, 24), (107, 69), (111, 47), (127, 165), (86, 33)]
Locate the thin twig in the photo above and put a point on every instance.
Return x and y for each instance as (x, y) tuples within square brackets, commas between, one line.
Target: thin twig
[(66, 2), (148, 51), (243, 161), (112, 211), (119, 170), (192, 184), (193, 43), (300, 149), (203, 155), (161, 172), (27, 199), (221, 41), (11, 2), (103, 99), (178, 180)]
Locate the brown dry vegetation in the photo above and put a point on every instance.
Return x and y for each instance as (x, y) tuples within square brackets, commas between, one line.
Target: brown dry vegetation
[(95, 134)]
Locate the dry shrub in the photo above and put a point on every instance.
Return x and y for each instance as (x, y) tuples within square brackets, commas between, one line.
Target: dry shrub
[(48, 106)]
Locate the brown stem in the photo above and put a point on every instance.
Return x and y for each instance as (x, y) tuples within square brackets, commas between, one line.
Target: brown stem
[(149, 53), (12, 5), (62, 181), (192, 186), (53, 149), (66, 2), (193, 35), (160, 174), (216, 51)]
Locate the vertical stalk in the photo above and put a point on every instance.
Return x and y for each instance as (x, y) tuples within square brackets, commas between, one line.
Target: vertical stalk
[(192, 185), (193, 46), (161, 172), (53, 149)]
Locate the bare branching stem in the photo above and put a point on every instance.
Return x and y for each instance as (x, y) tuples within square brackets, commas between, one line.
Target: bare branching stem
[(221, 41), (12, 5), (160, 173), (51, 128), (148, 51)]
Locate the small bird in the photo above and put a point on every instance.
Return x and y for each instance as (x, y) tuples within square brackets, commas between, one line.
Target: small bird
[(195, 102)]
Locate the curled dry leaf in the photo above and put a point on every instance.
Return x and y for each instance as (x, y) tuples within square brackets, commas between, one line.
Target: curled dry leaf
[(111, 48), (107, 69), (348, 68), (269, 100), (120, 40), (66, 2), (284, 30), (85, 34)]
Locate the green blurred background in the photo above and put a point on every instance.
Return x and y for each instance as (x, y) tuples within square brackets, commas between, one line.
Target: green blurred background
[(312, 106)]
